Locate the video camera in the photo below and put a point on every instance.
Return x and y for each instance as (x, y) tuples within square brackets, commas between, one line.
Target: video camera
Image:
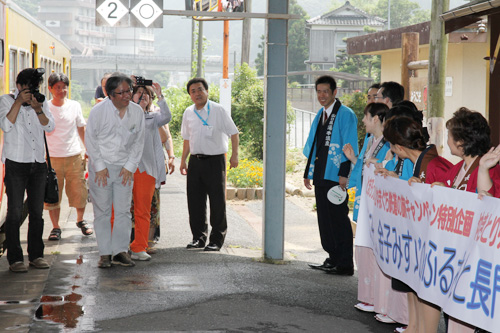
[(34, 84), (140, 81)]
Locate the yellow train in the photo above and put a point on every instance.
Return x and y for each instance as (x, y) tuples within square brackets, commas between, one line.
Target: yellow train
[(25, 43)]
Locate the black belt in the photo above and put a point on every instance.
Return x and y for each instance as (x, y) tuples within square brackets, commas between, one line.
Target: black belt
[(204, 157)]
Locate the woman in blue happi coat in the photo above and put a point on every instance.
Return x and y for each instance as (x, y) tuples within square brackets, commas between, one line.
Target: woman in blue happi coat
[(374, 150)]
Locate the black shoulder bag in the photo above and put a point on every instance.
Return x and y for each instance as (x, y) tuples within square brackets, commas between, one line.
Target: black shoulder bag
[(51, 187)]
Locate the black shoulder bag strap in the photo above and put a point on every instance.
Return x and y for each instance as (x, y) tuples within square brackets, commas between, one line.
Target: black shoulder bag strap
[(47, 151)]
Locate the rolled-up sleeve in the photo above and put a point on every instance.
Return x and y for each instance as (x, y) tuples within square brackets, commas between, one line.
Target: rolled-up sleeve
[(5, 106), (51, 125), (165, 115)]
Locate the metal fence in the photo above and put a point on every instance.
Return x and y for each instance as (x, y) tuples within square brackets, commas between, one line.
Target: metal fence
[(299, 130)]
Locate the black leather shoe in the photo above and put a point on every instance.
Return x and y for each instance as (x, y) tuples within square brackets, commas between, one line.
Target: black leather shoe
[(326, 265), (195, 244), (212, 247), (341, 270)]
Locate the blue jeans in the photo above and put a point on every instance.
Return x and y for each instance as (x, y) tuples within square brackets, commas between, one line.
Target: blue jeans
[(21, 177)]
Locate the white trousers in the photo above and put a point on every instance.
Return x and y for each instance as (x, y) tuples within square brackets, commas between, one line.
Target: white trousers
[(104, 198)]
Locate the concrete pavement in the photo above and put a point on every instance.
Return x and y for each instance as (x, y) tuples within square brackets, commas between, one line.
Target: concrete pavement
[(185, 290)]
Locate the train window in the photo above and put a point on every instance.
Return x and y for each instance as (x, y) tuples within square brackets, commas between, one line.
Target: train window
[(23, 60), (12, 69)]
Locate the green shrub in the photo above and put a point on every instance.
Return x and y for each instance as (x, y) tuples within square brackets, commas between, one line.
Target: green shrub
[(357, 102)]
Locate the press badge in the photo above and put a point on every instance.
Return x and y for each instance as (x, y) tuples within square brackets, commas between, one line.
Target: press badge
[(209, 130)]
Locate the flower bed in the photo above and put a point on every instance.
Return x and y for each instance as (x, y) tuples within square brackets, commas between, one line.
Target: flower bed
[(248, 174)]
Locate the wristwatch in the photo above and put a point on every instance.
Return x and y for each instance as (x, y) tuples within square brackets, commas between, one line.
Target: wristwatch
[(39, 113)]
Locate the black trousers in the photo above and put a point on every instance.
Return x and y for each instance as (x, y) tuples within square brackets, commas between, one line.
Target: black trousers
[(206, 177), (334, 227), (21, 177)]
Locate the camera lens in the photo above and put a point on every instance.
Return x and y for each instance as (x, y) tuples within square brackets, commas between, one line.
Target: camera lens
[(39, 97)]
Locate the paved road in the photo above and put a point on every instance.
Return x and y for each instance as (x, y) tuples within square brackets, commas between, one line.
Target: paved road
[(186, 290)]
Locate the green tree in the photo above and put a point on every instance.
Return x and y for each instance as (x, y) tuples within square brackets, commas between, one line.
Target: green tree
[(248, 110), (206, 44), (403, 12), (364, 65), (163, 78), (298, 46), (259, 61), (357, 102)]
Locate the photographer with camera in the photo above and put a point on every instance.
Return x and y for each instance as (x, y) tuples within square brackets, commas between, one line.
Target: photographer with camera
[(23, 118), (151, 172)]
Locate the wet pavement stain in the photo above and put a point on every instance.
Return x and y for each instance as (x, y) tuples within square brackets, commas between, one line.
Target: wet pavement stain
[(61, 309), (146, 283)]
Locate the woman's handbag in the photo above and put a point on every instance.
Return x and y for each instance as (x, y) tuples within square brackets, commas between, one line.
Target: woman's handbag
[(51, 187)]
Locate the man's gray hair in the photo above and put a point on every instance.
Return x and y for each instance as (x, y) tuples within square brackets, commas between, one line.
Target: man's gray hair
[(115, 80)]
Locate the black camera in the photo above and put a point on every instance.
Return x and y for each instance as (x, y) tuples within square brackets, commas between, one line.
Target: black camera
[(34, 84), (140, 81)]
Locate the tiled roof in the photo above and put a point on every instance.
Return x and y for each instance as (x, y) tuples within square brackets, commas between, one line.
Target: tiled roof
[(346, 20), (358, 17)]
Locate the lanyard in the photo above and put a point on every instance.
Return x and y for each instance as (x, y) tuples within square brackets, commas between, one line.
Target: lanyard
[(208, 114)]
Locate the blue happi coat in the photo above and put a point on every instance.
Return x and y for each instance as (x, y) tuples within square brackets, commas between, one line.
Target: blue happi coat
[(344, 131), (355, 180), (407, 167)]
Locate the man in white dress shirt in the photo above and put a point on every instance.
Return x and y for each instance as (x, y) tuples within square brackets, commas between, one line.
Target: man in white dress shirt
[(114, 139), (23, 119), (206, 127)]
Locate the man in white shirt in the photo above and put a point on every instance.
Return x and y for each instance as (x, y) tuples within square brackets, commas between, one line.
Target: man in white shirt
[(65, 150), (114, 139), (206, 127), (23, 120)]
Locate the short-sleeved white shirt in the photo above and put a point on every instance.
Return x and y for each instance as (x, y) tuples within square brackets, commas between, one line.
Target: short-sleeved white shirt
[(202, 139), (64, 141)]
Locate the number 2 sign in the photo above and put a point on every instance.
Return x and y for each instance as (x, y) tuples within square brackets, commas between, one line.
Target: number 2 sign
[(130, 13), (112, 12)]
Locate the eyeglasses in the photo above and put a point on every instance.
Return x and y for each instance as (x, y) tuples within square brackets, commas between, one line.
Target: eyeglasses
[(128, 92)]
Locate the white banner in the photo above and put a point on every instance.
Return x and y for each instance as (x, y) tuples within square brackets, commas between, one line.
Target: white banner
[(442, 242)]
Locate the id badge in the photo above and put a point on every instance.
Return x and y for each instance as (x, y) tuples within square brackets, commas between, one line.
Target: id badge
[(209, 130)]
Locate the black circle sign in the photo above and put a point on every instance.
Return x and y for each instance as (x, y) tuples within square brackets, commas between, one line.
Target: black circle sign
[(146, 11)]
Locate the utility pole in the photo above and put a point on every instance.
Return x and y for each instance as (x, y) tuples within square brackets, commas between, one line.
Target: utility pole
[(199, 72), (275, 93), (246, 35), (438, 51), (389, 15), (225, 51), (193, 41)]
